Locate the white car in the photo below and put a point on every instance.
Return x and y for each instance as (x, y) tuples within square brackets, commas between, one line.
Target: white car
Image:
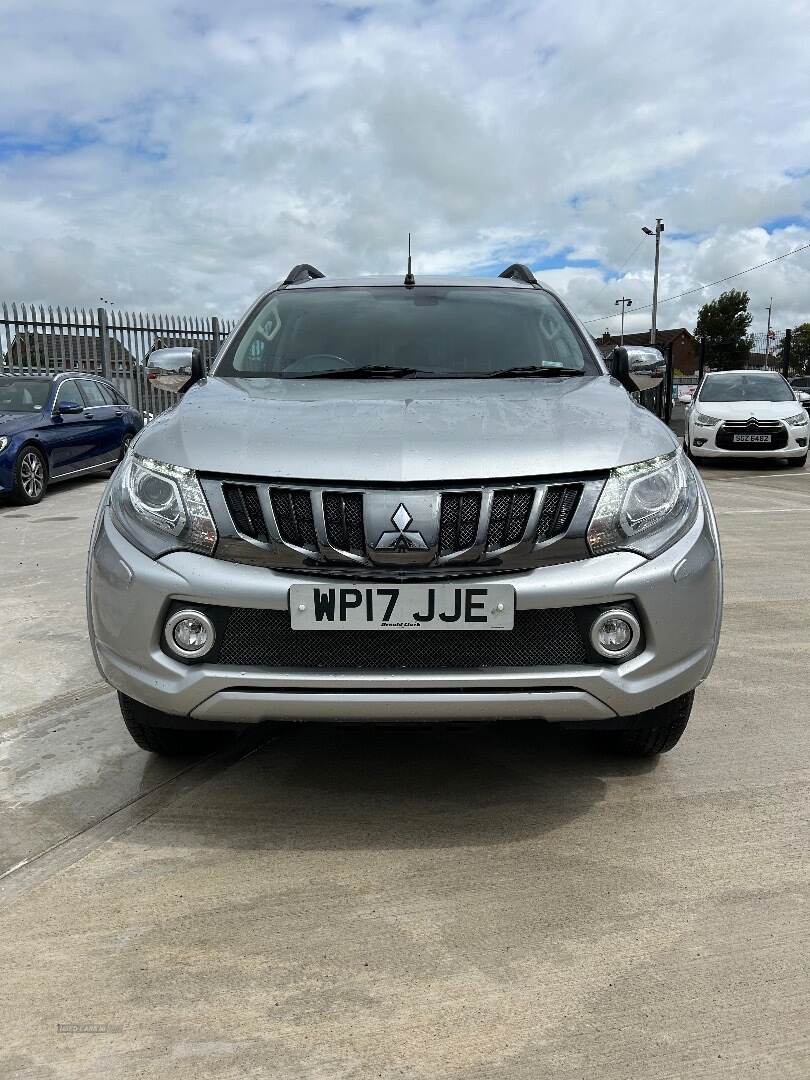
[(752, 414)]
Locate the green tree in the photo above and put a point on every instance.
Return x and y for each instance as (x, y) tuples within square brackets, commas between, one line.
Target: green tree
[(724, 324), (799, 350)]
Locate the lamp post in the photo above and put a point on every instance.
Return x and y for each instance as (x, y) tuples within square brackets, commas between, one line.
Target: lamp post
[(625, 302), (659, 228)]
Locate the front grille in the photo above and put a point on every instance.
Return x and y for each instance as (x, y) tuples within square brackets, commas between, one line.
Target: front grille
[(292, 508), (724, 439), (558, 510), (478, 524), (458, 522), (509, 516), (743, 425), (343, 515), (263, 638), (243, 504)]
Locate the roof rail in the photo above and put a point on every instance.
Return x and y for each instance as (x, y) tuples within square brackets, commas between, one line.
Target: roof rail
[(301, 272), (520, 272)]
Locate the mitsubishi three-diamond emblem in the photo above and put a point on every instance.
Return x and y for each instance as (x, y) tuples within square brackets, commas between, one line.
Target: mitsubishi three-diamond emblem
[(402, 539)]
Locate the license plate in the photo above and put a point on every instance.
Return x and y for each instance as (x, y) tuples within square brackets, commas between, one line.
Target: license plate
[(402, 607), (752, 438)]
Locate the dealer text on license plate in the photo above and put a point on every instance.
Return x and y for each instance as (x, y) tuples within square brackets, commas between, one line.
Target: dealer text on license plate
[(402, 607)]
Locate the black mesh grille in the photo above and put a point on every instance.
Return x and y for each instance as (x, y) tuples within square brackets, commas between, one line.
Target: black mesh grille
[(263, 638), (509, 516), (245, 509), (777, 436), (343, 514), (458, 523), (293, 511), (558, 510)]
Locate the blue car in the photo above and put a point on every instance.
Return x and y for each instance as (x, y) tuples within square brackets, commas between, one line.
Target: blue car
[(53, 428)]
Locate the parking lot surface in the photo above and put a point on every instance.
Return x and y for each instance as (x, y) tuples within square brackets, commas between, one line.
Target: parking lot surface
[(494, 902)]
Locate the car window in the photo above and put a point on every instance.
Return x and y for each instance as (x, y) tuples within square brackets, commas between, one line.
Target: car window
[(68, 391), (440, 331), (745, 386), (107, 393), (91, 392), (23, 395)]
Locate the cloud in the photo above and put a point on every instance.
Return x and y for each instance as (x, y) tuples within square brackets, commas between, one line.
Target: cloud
[(180, 159)]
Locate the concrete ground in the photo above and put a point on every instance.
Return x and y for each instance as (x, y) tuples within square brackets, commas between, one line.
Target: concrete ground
[(358, 903)]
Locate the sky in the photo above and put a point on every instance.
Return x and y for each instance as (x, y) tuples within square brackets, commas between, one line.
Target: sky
[(181, 157)]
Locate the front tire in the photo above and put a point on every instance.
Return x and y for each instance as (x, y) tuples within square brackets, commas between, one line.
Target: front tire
[(797, 462), (30, 476), (655, 731), (146, 726)]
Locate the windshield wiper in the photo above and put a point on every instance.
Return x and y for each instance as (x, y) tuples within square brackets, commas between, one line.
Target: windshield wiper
[(367, 371), (532, 371)]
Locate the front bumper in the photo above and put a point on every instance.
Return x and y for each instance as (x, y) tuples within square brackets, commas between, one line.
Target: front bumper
[(709, 449), (678, 596)]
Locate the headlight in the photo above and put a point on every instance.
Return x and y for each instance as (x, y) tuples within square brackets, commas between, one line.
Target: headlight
[(797, 421), (702, 420), (162, 507), (3, 443), (645, 507)]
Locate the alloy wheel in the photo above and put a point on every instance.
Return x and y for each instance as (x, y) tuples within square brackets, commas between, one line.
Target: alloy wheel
[(32, 475)]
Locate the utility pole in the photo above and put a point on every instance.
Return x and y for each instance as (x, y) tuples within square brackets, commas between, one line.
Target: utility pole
[(625, 303), (659, 228), (768, 334)]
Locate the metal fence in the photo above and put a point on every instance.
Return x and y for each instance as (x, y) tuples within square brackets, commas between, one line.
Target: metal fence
[(778, 350), (114, 344)]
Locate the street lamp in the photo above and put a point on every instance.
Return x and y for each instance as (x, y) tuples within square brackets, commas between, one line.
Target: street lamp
[(625, 302), (659, 228)]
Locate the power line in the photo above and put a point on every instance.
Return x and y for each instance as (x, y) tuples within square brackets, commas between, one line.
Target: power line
[(700, 288), (621, 268)]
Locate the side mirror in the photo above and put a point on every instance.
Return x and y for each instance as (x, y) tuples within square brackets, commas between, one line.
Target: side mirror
[(637, 367), (174, 370), (69, 408)]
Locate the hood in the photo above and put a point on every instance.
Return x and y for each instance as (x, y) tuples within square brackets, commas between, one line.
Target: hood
[(403, 431), (11, 423), (743, 410)]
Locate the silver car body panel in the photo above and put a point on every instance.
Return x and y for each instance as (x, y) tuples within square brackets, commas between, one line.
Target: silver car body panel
[(405, 431)]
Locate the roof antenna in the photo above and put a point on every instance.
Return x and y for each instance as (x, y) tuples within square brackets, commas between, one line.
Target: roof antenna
[(410, 280)]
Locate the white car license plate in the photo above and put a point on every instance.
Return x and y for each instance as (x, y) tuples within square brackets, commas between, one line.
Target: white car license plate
[(752, 438), (402, 607)]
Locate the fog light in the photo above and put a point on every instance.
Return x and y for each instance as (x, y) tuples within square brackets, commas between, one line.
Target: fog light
[(189, 634), (615, 633)]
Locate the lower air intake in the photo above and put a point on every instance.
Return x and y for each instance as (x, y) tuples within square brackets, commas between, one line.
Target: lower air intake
[(263, 638)]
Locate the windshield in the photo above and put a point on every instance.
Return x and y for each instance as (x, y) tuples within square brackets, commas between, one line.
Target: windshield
[(746, 386), (423, 332), (19, 395)]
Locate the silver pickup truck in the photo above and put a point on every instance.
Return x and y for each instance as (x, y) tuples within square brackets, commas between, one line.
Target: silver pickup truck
[(409, 500)]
